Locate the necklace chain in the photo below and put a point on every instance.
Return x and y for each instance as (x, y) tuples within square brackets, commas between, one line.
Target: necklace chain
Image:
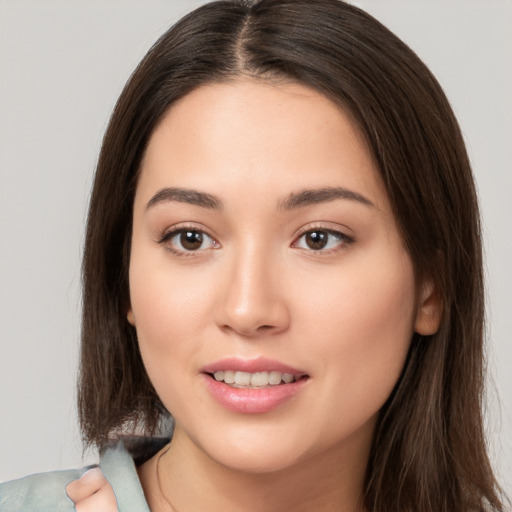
[(160, 490)]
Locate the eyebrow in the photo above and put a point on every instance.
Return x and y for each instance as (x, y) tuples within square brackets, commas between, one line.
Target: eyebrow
[(295, 200), (321, 195), (185, 195)]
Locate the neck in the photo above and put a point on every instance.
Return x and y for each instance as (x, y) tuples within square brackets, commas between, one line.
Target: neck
[(182, 478)]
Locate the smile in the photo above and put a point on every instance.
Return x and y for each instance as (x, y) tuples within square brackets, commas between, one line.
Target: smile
[(239, 379), (253, 386)]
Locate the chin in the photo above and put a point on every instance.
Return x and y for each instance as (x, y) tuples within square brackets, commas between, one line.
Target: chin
[(260, 451), (258, 462), (252, 451)]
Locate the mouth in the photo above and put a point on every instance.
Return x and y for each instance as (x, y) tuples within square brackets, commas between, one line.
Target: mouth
[(255, 380), (251, 386)]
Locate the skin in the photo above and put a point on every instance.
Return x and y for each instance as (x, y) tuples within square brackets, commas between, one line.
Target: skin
[(343, 314), (92, 493)]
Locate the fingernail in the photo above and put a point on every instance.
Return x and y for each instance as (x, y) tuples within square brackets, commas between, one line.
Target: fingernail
[(90, 472)]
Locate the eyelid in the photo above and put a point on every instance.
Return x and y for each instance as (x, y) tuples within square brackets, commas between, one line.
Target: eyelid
[(169, 233), (335, 231), (338, 232)]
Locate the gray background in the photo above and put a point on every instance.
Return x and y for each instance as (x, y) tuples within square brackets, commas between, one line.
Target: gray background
[(63, 64)]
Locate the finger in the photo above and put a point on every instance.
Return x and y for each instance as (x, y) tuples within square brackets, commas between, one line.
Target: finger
[(103, 500), (89, 483)]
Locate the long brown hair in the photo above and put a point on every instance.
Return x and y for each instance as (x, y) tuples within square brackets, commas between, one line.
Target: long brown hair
[(429, 449)]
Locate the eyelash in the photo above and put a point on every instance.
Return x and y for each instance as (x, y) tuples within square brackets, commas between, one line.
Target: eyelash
[(167, 236), (344, 240)]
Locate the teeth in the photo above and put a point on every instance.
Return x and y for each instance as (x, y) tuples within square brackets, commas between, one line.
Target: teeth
[(260, 379), (229, 377), (242, 378), (256, 380), (274, 378)]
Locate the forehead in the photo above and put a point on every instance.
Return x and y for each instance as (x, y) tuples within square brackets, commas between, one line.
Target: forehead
[(259, 137)]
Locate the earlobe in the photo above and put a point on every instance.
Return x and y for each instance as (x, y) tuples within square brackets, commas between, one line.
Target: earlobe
[(130, 317), (430, 307)]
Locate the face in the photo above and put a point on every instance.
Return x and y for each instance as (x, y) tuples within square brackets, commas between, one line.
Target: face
[(273, 299)]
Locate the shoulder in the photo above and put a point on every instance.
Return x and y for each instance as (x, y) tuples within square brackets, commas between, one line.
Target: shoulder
[(43, 492), (46, 492), (118, 466)]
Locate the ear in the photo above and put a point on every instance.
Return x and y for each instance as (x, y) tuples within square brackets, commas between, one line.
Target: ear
[(430, 308), (130, 317)]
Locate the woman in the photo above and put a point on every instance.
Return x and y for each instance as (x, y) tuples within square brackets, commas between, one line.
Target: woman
[(283, 252)]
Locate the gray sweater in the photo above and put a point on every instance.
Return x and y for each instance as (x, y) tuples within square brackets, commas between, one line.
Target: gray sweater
[(46, 492)]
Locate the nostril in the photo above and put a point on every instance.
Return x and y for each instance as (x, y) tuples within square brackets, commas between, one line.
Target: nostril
[(246, 331)]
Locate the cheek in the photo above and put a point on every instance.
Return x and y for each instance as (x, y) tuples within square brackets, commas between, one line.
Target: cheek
[(166, 336), (366, 319), (168, 310), (370, 301)]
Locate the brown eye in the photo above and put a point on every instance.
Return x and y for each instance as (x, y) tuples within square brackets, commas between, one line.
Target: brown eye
[(322, 241), (191, 240), (187, 241), (316, 240)]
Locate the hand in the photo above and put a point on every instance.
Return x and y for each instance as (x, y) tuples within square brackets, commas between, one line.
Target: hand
[(92, 493)]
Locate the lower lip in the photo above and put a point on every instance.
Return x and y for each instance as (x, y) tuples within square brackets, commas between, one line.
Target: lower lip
[(252, 401)]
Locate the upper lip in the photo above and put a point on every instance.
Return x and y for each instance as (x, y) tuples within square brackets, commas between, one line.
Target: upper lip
[(260, 364)]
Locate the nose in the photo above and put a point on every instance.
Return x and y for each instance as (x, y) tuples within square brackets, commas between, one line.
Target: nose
[(253, 302)]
